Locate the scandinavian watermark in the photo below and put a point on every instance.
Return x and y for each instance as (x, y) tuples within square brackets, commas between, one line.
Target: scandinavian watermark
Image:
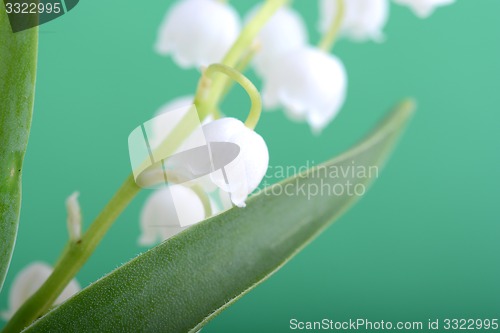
[(347, 179)]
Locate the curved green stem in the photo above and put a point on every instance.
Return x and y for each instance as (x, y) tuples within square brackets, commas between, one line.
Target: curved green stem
[(242, 65), (328, 40), (244, 82), (208, 102)]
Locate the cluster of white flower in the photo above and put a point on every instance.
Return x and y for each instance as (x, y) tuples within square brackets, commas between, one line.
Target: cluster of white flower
[(306, 81)]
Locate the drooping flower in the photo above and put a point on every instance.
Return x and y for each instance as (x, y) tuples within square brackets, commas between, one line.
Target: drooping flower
[(424, 8), (283, 32), (198, 32), (242, 176), (28, 281), (310, 84), (362, 19), (168, 211)]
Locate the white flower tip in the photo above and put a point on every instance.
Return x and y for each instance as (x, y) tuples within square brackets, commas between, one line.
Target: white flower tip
[(424, 8), (239, 203), (74, 220), (423, 12), (316, 130)]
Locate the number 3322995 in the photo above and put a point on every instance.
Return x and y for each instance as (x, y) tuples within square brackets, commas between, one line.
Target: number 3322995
[(33, 8), (470, 324)]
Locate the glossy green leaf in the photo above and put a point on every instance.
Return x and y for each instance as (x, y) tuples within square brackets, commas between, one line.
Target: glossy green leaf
[(184, 282), (18, 57)]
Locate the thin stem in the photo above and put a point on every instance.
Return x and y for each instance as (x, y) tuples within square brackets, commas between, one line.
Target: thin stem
[(328, 40), (245, 83), (72, 259), (243, 64)]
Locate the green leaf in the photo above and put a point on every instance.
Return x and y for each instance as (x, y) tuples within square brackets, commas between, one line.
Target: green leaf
[(184, 282), (18, 57)]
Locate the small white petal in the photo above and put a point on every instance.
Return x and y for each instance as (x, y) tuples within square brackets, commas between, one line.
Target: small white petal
[(363, 19), (198, 32), (74, 220), (28, 281), (162, 210), (246, 172), (310, 84), (424, 8), (283, 32)]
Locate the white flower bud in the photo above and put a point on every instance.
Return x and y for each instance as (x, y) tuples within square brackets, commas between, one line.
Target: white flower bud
[(285, 31), (242, 177), (28, 281), (198, 32), (362, 19), (310, 84), (424, 8), (163, 209), (74, 220)]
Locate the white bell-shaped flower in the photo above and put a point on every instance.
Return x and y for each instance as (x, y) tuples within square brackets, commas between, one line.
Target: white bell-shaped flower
[(28, 281), (244, 175), (198, 32), (283, 32), (168, 211), (362, 19), (424, 8), (310, 84)]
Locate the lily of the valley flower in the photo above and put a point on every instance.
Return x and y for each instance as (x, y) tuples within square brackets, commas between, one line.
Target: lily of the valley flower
[(362, 19), (27, 282), (283, 32), (198, 32), (424, 8), (310, 84), (245, 175), (163, 209)]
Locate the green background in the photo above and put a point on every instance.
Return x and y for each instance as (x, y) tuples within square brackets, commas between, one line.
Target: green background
[(424, 242)]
